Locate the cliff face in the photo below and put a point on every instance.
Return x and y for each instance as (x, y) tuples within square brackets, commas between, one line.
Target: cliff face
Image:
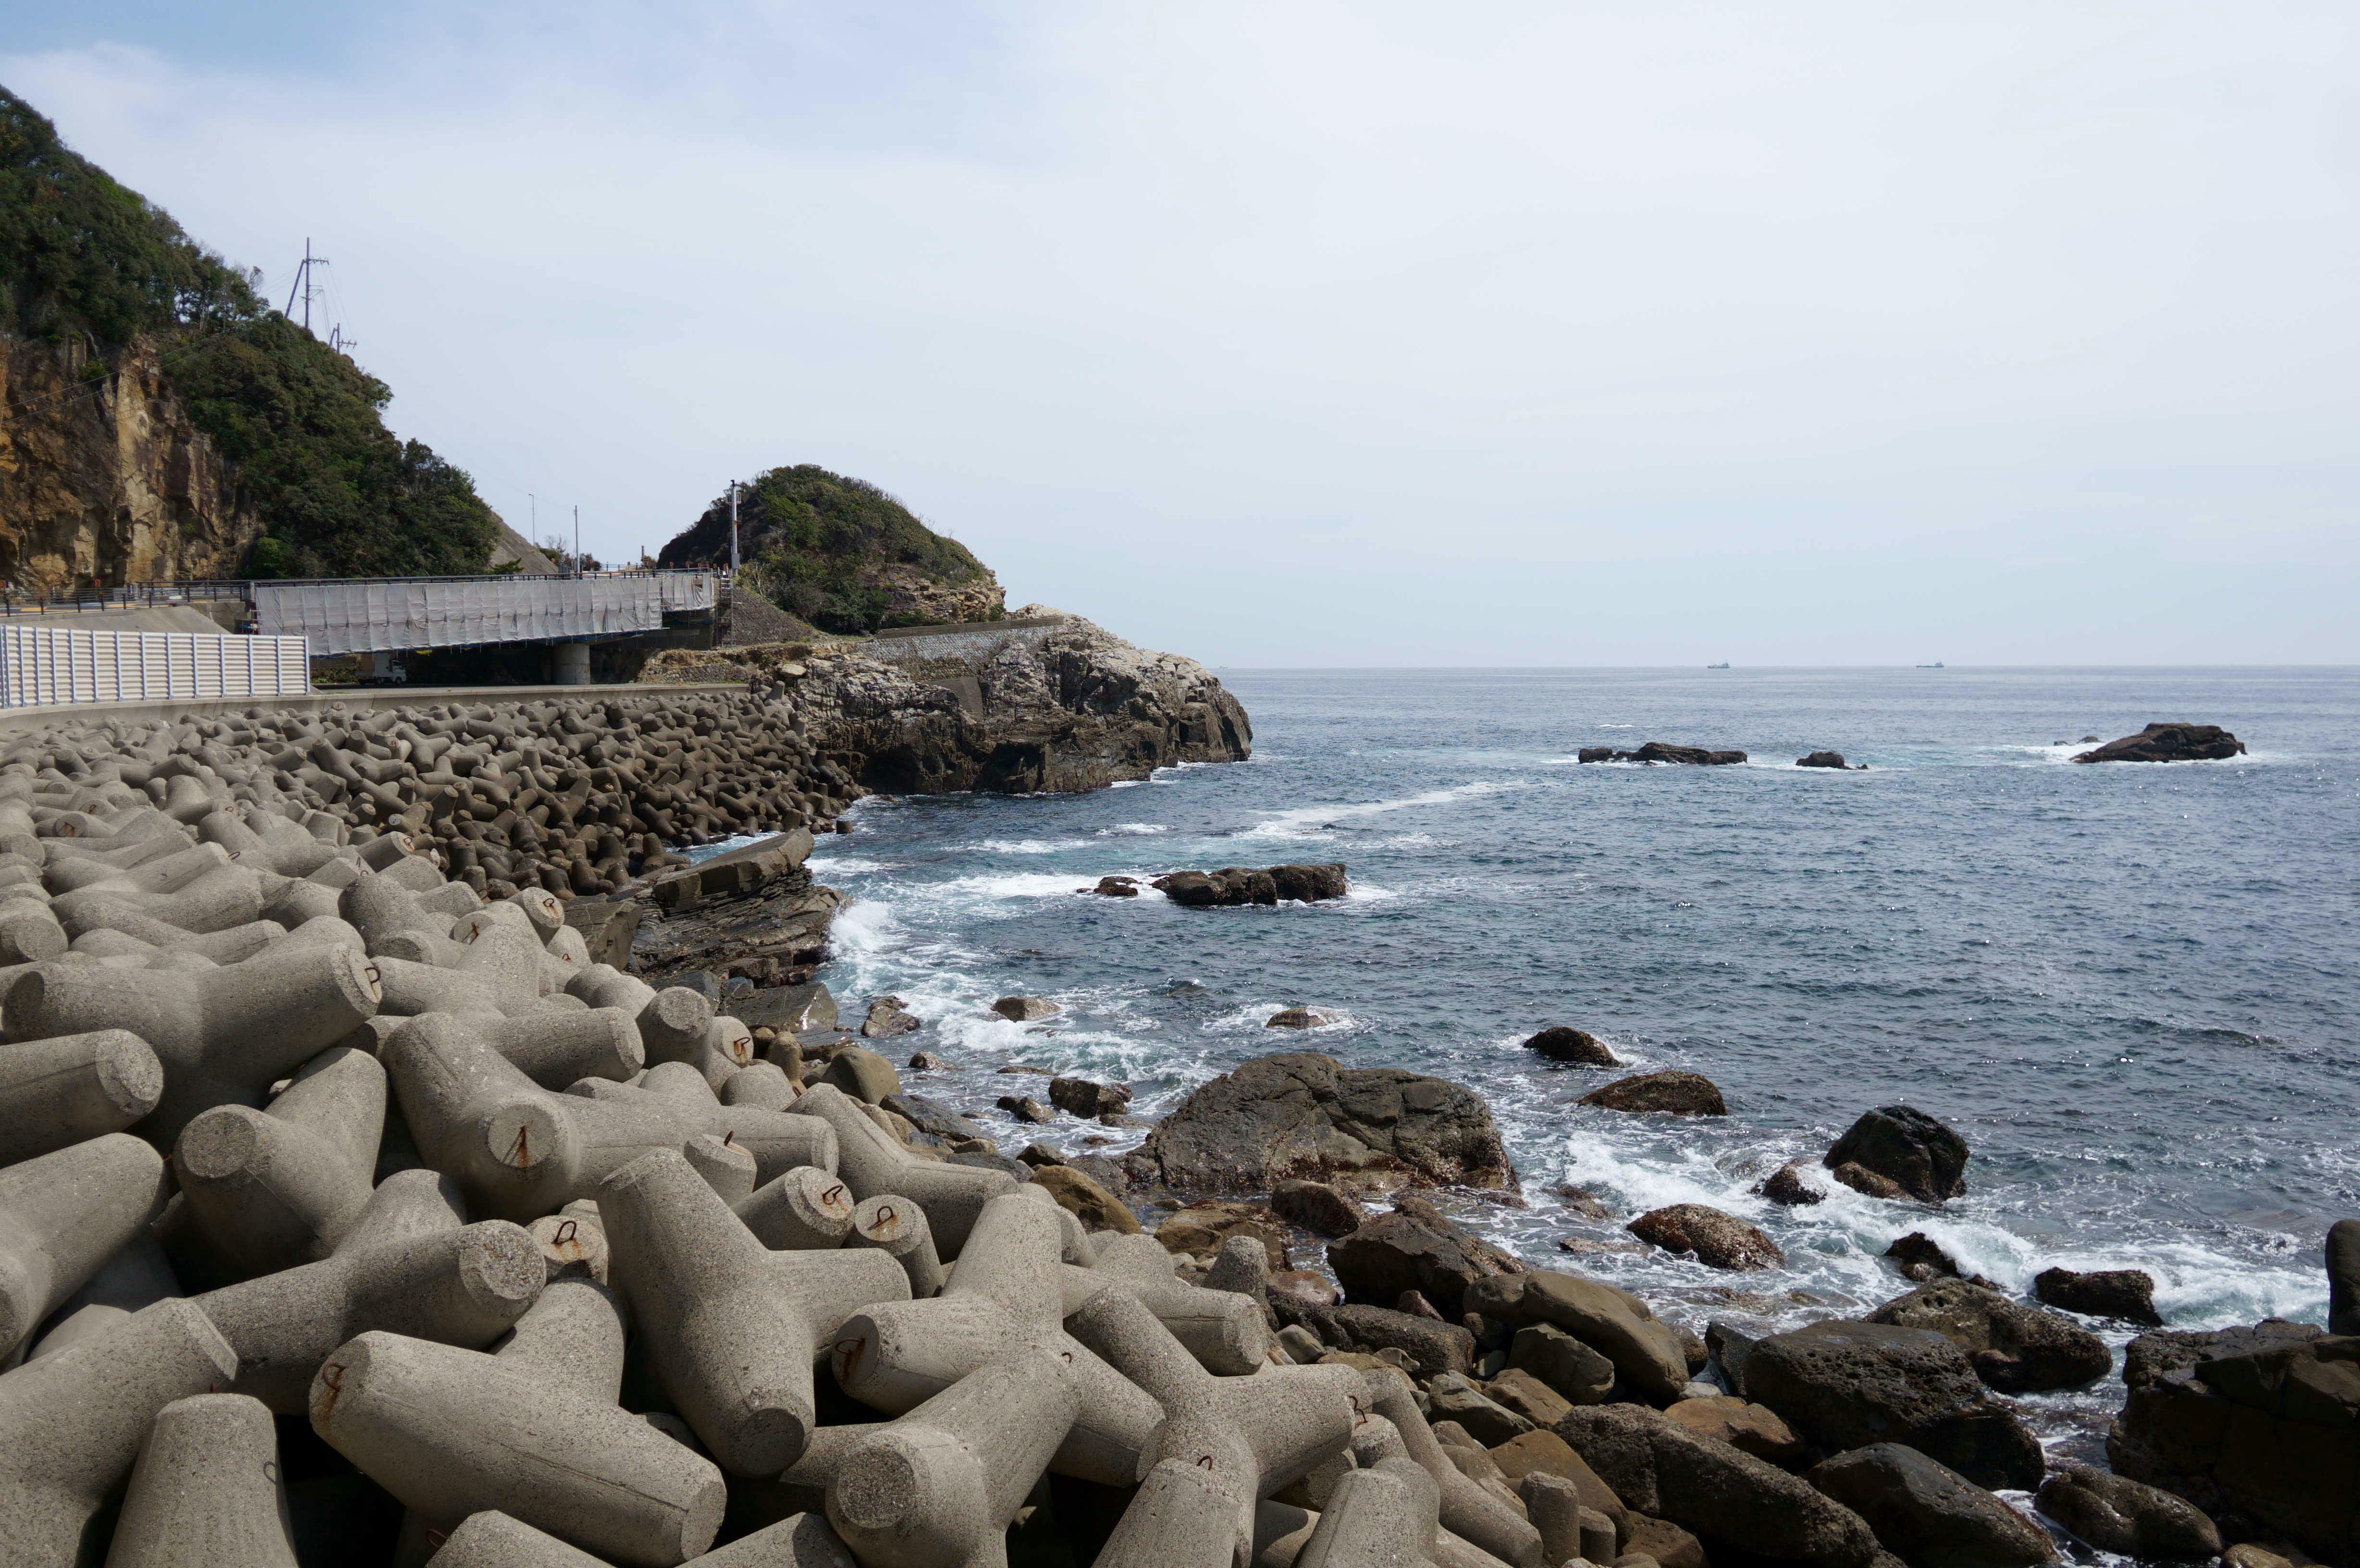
[(109, 483), (1062, 706)]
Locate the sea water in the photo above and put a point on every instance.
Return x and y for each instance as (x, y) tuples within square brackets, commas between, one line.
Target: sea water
[(2133, 988)]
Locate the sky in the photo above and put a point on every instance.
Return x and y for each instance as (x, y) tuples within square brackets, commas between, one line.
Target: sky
[(1279, 334)]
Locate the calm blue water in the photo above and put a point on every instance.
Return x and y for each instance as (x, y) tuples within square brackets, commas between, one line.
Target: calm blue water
[(2134, 989)]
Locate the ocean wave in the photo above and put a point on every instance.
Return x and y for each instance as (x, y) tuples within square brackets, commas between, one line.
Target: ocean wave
[(1133, 828), (1297, 823), (1026, 845)]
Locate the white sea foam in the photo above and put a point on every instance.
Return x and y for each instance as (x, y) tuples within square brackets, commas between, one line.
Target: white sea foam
[(1028, 845), (1133, 828), (847, 865), (1299, 822)]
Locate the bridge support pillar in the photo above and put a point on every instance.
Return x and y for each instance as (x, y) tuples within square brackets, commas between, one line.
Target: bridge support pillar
[(570, 664)]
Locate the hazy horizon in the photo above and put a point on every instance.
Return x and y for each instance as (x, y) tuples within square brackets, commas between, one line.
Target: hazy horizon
[(1306, 336)]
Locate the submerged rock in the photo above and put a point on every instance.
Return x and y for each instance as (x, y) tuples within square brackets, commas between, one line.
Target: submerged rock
[(1907, 1147), (1025, 1009), (886, 1017), (1661, 751), (1717, 1239), (1085, 1098), (1828, 759), (1298, 1019), (1562, 1043), (1235, 884), (2170, 743), (1785, 1186), (1303, 1114), (2124, 1293), (1670, 1092)]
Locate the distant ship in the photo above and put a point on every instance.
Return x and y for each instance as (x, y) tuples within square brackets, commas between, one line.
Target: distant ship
[(1716, 667), (1936, 665)]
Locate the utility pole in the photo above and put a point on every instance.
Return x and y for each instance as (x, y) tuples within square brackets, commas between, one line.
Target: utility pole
[(304, 288), (733, 528), (577, 541)]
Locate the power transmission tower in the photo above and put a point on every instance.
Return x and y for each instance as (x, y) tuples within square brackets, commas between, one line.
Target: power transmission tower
[(305, 288)]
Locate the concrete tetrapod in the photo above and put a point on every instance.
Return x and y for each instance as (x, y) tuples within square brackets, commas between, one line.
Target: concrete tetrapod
[(493, 1539), (896, 1226), (1003, 1299), (280, 1186), (1466, 1509), (806, 1209), (799, 1540), (62, 1216), (731, 1335), (136, 1277), (463, 1287), (224, 1035), (452, 1433), (937, 1488), (1223, 1330), (1370, 1521), (1179, 1517), (70, 1425), (1253, 1434), (519, 1152), (872, 1164), (207, 1489), (60, 1091)]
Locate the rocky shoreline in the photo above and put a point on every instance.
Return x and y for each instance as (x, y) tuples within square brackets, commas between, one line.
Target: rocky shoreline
[(515, 1040)]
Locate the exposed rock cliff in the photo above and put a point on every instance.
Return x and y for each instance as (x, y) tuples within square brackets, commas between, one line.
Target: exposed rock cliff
[(1064, 706), (106, 479)]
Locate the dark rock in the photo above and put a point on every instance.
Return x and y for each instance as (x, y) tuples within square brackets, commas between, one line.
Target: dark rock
[(1546, 1453), (1672, 1093), (2124, 1293), (1611, 1320), (1785, 1186), (1114, 887), (1417, 1306), (1297, 1019), (1905, 1147), (930, 1116), (1419, 1249), (1235, 884), (1662, 1469), (886, 1017), (1433, 1348), (2014, 1348), (1580, 1374), (1827, 759), (2344, 1277), (1037, 1155), (1025, 1108), (1712, 1237), (1303, 1114), (2266, 1441), (1530, 1398), (1848, 1385), (789, 1010), (1661, 751), (1749, 1429), (1563, 1043), (1025, 1009), (1922, 1258), (1692, 1345), (1317, 1207), (1582, 1202), (2151, 1357), (1018, 1067), (2170, 743), (1659, 1541), (1456, 1398), (1205, 1225), (1861, 1179), (1085, 1098), (1731, 1345), (1929, 1515), (927, 1062), (2114, 1513)]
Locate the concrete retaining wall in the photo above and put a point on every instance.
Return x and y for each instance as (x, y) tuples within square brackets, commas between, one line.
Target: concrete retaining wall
[(17, 721)]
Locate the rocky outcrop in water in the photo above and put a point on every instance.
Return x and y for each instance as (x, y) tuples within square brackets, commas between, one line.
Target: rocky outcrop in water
[(2170, 743), (1663, 751), (1234, 886)]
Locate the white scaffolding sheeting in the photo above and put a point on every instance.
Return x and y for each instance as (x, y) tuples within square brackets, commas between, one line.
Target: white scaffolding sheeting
[(392, 616), (64, 664)]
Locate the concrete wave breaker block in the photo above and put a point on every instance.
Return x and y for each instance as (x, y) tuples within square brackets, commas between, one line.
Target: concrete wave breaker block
[(1003, 1299), (731, 1335), (71, 1087), (1179, 1517), (227, 895), (462, 1287), (873, 1164), (225, 1035), (557, 1047), (62, 1215), (1253, 1434), (777, 1142), (454, 1433), (1224, 1330), (896, 1226), (937, 1488), (519, 1151), (493, 1539), (1370, 1521), (1467, 1510), (272, 1188), (70, 1425), (207, 1489), (805, 1210), (136, 1277), (726, 1169)]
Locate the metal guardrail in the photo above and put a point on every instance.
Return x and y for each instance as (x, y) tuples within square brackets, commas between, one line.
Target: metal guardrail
[(40, 665)]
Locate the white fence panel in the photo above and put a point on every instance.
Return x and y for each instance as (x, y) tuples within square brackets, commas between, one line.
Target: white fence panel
[(67, 664)]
